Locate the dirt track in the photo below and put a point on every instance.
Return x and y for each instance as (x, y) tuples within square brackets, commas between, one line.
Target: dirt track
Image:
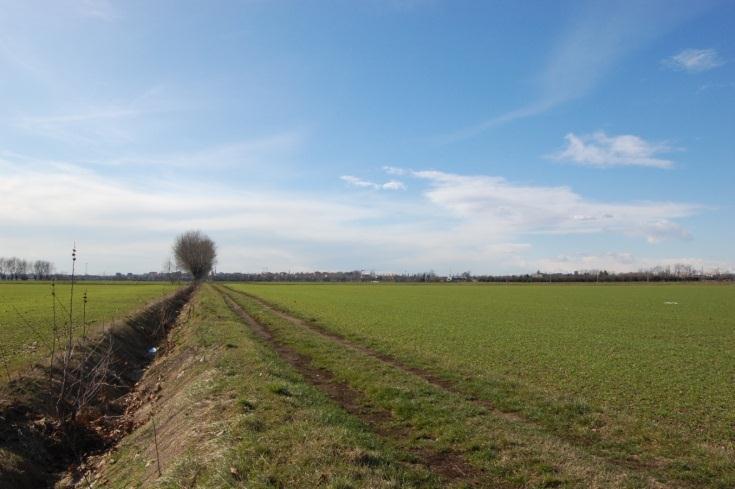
[(448, 466)]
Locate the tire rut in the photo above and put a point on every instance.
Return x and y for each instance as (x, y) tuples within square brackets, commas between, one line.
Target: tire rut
[(426, 375), (446, 465), (431, 378)]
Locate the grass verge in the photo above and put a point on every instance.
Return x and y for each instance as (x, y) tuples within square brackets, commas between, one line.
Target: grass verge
[(230, 413)]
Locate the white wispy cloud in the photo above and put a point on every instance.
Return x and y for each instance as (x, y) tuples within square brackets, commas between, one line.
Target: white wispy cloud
[(96, 115), (591, 45), (479, 222), (394, 170), (94, 124), (694, 60), (359, 182), (96, 9), (624, 262), (600, 150), (716, 86), (58, 196), (393, 185), (16, 56), (501, 207), (26, 26), (268, 149), (86, 127)]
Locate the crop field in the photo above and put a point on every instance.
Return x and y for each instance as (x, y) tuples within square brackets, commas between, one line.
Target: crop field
[(614, 383), (403, 386), (26, 311)]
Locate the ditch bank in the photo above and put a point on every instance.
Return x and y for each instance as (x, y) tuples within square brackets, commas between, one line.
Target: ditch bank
[(56, 415)]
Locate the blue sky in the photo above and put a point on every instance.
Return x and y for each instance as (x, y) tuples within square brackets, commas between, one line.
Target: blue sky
[(386, 135)]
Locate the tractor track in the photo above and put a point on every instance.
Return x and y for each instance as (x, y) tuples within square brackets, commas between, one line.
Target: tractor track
[(446, 465), (633, 465), (424, 374)]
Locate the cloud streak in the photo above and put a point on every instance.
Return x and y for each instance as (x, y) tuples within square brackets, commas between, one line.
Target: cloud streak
[(455, 221), (87, 127), (501, 207), (622, 262), (264, 150), (694, 60), (97, 124), (360, 183), (97, 9), (592, 44), (602, 151)]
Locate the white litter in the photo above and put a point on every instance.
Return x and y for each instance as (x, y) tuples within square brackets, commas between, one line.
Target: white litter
[(670, 302)]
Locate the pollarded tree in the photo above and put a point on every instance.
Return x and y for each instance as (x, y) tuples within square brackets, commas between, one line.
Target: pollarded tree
[(195, 253)]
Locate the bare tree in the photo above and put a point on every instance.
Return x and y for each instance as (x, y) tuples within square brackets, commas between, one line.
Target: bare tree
[(10, 265), (41, 269), (17, 268), (195, 253)]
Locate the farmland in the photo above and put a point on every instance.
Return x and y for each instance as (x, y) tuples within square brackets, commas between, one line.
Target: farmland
[(26, 311), (634, 374), (416, 386)]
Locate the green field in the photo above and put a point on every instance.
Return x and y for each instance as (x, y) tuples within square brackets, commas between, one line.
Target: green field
[(635, 374), (421, 386), (234, 415), (26, 311)]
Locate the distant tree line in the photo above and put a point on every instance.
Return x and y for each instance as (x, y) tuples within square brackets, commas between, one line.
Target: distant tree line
[(353, 276), (177, 276), (350, 276), (15, 268), (673, 273)]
